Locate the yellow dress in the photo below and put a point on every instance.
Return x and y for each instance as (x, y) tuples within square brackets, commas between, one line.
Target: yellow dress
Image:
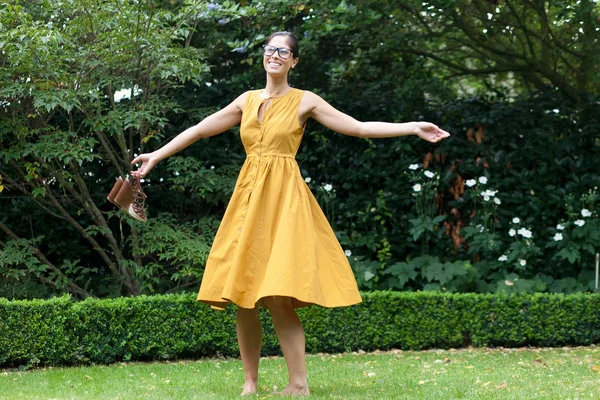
[(274, 240)]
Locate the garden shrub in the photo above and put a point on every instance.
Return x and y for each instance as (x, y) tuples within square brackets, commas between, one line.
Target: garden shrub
[(63, 332)]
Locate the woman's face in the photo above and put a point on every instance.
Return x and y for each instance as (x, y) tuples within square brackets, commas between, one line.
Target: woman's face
[(274, 64)]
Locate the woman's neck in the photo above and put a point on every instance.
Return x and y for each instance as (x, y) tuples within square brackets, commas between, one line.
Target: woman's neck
[(276, 86)]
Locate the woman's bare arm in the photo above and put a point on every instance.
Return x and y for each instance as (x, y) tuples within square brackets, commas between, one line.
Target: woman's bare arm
[(327, 115), (214, 124)]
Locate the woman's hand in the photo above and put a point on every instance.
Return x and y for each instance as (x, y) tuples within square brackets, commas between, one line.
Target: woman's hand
[(430, 132), (148, 161)]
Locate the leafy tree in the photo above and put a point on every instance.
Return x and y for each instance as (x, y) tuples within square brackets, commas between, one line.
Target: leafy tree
[(85, 84), (530, 45)]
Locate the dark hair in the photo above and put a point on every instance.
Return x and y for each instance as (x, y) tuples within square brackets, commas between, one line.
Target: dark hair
[(292, 40)]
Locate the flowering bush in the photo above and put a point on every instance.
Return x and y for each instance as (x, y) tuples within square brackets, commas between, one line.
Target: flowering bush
[(570, 239), (504, 253), (573, 239), (521, 248), (424, 190), (483, 240), (508, 260)]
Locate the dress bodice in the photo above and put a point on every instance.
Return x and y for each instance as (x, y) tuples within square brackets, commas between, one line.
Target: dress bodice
[(279, 132)]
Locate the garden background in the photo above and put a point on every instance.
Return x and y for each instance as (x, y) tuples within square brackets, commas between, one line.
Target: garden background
[(508, 204)]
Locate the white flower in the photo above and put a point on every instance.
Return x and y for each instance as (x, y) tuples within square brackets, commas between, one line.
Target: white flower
[(372, 209), (176, 173), (482, 180), (586, 213), (348, 253), (502, 258), (516, 220), (512, 232), (497, 201), (526, 233), (413, 166), (471, 182), (328, 187), (486, 198), (417, 188), (579, 222), (560, 227), (307, 179), (212, 167), (523, 263), (489, 192), (429, 174), (558, 237)]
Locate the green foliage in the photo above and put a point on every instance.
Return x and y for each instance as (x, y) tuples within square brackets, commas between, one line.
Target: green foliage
[(61, 147), (428, 273), (423, 225), (17, 259), (86, 85), (45, 332), (203, 183), (61, 332), (175, 251), (509, 45)]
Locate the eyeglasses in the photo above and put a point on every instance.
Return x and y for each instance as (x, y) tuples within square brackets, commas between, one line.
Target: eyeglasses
[(284, 52)]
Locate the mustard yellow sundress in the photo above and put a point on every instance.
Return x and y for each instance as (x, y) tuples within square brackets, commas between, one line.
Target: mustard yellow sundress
[(274, 240)]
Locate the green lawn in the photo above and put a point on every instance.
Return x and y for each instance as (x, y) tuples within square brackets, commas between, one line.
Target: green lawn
[(561, 373)]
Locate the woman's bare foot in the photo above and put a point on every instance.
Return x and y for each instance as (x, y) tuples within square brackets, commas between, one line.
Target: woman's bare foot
[(295, 390), (249, 388)]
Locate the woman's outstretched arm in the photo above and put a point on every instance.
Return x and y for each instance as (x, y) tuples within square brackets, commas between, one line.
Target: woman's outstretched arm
[(327, 115), (214, 124)]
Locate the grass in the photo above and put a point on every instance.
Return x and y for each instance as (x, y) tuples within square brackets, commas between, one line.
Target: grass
[(527, 373)]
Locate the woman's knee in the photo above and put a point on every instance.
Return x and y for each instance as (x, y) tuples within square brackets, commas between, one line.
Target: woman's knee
[(278, 304), (247, 313)]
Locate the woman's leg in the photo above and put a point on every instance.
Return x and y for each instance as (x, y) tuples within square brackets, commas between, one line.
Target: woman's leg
[(290, 333), (249, 335)]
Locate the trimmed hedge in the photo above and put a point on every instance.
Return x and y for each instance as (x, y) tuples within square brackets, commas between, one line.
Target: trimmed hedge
[(63, 332)]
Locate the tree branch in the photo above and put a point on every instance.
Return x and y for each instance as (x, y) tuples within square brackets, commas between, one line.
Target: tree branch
[(14, 184), (96, 215), (50, 196), (73, 287), (467, 70), (522, 26)]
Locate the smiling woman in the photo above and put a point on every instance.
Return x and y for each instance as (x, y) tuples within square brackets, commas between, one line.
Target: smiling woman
[(291, 48), (275, 247)]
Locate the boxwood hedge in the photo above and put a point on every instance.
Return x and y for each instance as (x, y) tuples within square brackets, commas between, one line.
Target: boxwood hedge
[(63, 332)]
